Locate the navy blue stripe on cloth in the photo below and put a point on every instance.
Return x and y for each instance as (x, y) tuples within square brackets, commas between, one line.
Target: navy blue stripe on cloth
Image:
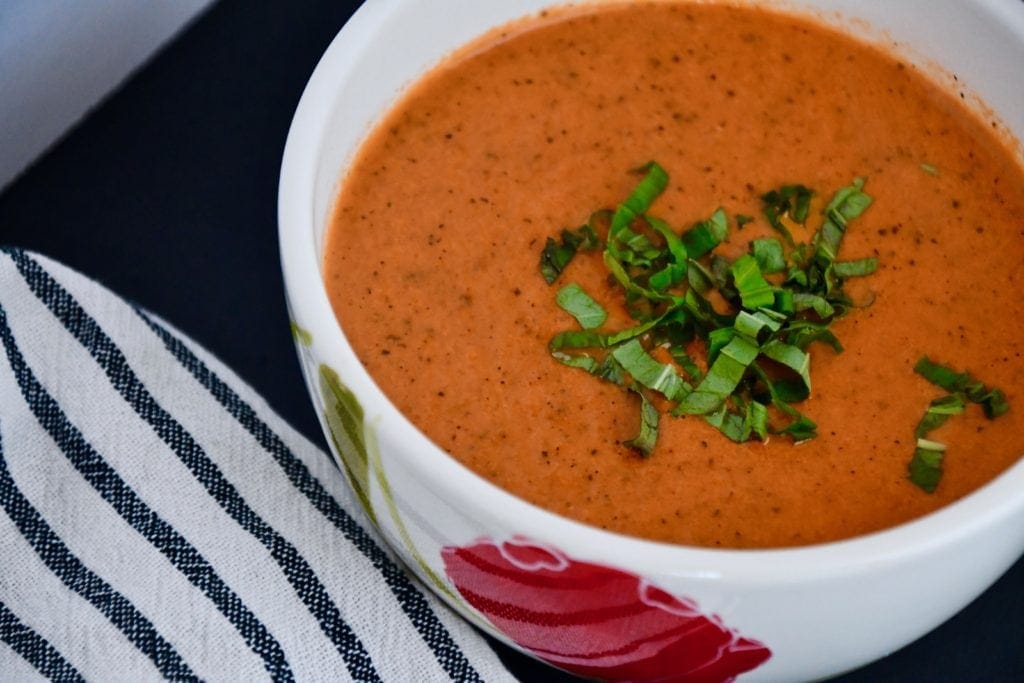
[(295, 568), (409, 597), (76, 576), (35, 649), (127, 503)]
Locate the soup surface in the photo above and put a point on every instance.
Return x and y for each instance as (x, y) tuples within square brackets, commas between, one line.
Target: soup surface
[(431, 263)]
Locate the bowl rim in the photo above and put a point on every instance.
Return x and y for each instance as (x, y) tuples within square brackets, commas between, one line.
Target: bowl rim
[(987, 506)]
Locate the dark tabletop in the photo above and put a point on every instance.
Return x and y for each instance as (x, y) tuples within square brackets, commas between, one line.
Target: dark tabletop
[(167, 194)]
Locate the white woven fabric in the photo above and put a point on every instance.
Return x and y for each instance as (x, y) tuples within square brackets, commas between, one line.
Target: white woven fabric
[(158, 520)]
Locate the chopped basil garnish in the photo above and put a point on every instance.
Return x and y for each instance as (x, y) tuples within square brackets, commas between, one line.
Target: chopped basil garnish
[(793, 201), (740, 426), (722, 379), (769, 256), (754, 290), (574, 339), (796, 360), (940, 410), (555, 257), (813, 302), (802, 333), (993, 401), (660, 377), (622, 239), (705, 236), (579, 305), (926, 465), (755, 352), (858, 268), (847, 204), (941, 376), (646, 439), (925, 468)]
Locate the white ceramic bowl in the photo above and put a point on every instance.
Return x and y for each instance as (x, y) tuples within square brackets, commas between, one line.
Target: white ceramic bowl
[(812, 611)]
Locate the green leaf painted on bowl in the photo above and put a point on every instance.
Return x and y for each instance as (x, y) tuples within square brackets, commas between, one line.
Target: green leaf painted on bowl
[(301, 335), (359, 453), (378, 469), (345, 422)]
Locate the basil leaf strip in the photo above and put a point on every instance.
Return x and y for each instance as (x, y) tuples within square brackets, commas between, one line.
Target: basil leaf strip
[(847, 204), (631, 287), (584, 339), (993, 401), (732, 425), (699, 278), (643, 195), (858, 268), (940, 410), (672, 240), (793, 358), (925, 468), (768, 254), (753, 288), (802, 333), (609, 370), (674, 272), (757, 419), (789, 200), (706, 235), (683, 359), (740, 426), (752, 325), (583, 361), (660, 377), (941, 376), (718, 340), (722, 379), (555, 257), (578, 339), (577, 303), (801, 427), (803, 302), (646, 439)]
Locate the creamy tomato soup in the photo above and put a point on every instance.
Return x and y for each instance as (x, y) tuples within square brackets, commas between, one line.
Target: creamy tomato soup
[(431, 263)]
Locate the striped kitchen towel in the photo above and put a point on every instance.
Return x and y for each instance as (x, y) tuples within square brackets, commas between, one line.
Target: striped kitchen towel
[(158, 520)]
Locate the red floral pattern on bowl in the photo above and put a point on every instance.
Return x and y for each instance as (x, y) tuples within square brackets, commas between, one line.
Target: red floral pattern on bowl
[(596, 621)]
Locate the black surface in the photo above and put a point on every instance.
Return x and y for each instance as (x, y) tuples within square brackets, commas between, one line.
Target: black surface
[(167, 194)]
